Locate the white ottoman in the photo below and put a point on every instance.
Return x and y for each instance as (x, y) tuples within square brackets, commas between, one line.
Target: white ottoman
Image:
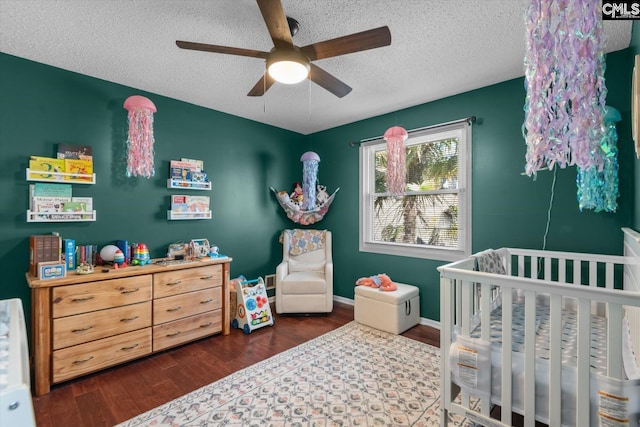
[(394, 311)]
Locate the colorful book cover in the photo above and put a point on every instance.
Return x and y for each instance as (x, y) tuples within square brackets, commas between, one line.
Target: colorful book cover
[(49, 204), (88, 203), (51, 190), (47, 164), (181, 170), (197, 204), (69, 253), (80, 167), (179, 203), (199, 164), (69, 151)]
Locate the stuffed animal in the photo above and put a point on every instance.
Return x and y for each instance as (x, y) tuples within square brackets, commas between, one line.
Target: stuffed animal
[(297, 196), (380, 281), (321, 195)]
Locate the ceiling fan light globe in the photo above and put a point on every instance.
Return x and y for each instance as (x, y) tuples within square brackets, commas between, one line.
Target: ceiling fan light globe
[(288, 71)]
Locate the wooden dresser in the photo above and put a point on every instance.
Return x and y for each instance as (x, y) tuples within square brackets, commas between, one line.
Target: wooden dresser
[(84, 323)]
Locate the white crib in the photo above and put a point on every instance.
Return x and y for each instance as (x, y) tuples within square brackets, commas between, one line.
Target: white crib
[(552, 336)]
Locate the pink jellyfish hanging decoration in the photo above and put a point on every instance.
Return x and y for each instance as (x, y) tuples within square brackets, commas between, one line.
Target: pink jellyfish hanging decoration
[(396, 164), (310, 162), (564, 79), (140, 138)]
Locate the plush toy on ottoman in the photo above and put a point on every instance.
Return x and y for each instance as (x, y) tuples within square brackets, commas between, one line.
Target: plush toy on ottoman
[(395, 310)]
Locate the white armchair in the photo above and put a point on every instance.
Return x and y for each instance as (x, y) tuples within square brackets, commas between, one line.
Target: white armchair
[(304, 278)]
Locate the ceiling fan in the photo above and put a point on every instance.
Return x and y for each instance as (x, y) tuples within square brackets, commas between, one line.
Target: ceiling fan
[(287, 63)]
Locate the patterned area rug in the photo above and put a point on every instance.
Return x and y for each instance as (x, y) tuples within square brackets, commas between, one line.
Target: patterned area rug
[(352, 376)]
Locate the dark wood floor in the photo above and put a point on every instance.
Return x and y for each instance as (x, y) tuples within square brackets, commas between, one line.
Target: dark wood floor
[(117, 394)]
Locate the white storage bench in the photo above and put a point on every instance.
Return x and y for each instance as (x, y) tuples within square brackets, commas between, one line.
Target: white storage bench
[(393, 311)]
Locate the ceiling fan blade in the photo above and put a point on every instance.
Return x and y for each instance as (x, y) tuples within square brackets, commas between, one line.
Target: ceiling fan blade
[(276, 21), (262, 86), (221, 49), (357, 42), (329, 82)]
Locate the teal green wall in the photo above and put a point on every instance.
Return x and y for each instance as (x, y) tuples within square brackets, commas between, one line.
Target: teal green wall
[(509, 209), (41, 106)]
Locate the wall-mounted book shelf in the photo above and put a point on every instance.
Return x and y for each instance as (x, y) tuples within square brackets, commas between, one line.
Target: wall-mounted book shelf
[(177, 215), (60, 216), (188, 185), (61, 177)]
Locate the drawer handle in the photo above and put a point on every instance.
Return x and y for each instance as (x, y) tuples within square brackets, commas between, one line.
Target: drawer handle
[(131, 347), (207, 277), (82, 299), (129, 291), (175, 334), (129, 319), (174, 283), (207, 301), (82, 329), (170, 310), (206, 325), (78, 362)]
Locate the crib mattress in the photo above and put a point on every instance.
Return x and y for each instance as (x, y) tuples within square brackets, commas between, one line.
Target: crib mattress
[(599, 381)]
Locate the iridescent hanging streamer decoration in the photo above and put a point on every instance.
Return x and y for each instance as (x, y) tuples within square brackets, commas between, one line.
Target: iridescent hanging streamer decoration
[(310, 162), (140, 138), (598, 190), (396, 162), (564, 79)]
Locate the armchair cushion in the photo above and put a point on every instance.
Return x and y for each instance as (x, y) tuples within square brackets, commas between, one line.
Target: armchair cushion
[(295, 266), (304, 283)]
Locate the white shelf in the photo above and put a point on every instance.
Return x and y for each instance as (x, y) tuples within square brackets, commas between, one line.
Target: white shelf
[(61, 177), (174, 215), (60, 216), (188, 185)]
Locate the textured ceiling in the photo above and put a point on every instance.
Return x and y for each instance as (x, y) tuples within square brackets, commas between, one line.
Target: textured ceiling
[(439, 48)]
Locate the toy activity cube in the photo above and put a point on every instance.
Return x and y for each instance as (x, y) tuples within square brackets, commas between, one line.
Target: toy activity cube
[(252, 306), (393, 312)]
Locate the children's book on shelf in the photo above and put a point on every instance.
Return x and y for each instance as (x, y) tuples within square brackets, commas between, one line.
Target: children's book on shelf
[(78, 166), (44, 189), (182, 170), (87, 202), (69, 151), (49, 204), (198, 164), (195, 205), (46, 164)]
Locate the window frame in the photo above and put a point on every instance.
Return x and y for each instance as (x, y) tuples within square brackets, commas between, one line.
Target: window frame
[(367, 150)]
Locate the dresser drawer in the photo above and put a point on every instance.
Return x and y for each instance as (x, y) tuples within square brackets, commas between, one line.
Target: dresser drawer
[(181, 281), (84, 358), (81, 328), (86, 297), (183, 305), (187, 329)]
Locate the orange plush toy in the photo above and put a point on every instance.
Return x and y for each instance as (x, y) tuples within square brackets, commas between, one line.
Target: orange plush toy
[(380, 281)]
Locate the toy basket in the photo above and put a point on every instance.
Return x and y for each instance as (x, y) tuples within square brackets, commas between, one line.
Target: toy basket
[(252, 310)]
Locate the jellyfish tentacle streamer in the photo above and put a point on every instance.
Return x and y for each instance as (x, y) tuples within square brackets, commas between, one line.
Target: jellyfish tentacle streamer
[(140, 138)]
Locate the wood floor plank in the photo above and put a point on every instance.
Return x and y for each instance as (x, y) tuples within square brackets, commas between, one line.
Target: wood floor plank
[(122, 392)]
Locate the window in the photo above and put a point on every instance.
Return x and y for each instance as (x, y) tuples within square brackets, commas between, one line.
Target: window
[(433, 217)]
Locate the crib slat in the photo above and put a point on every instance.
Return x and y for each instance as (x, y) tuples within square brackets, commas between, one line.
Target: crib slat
[(562, 270), (529, 358), (583, 362), (614, 340), (507, 374), (447, 295), (485, 334), (576, 271), (555, 360), (547, 268), (593, 273), (609, 281)]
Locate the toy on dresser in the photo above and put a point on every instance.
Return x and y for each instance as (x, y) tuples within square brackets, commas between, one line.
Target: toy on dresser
[(253, 310)]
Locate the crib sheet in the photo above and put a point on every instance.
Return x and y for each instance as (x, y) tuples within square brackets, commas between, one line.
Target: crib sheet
[(599, 380)]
